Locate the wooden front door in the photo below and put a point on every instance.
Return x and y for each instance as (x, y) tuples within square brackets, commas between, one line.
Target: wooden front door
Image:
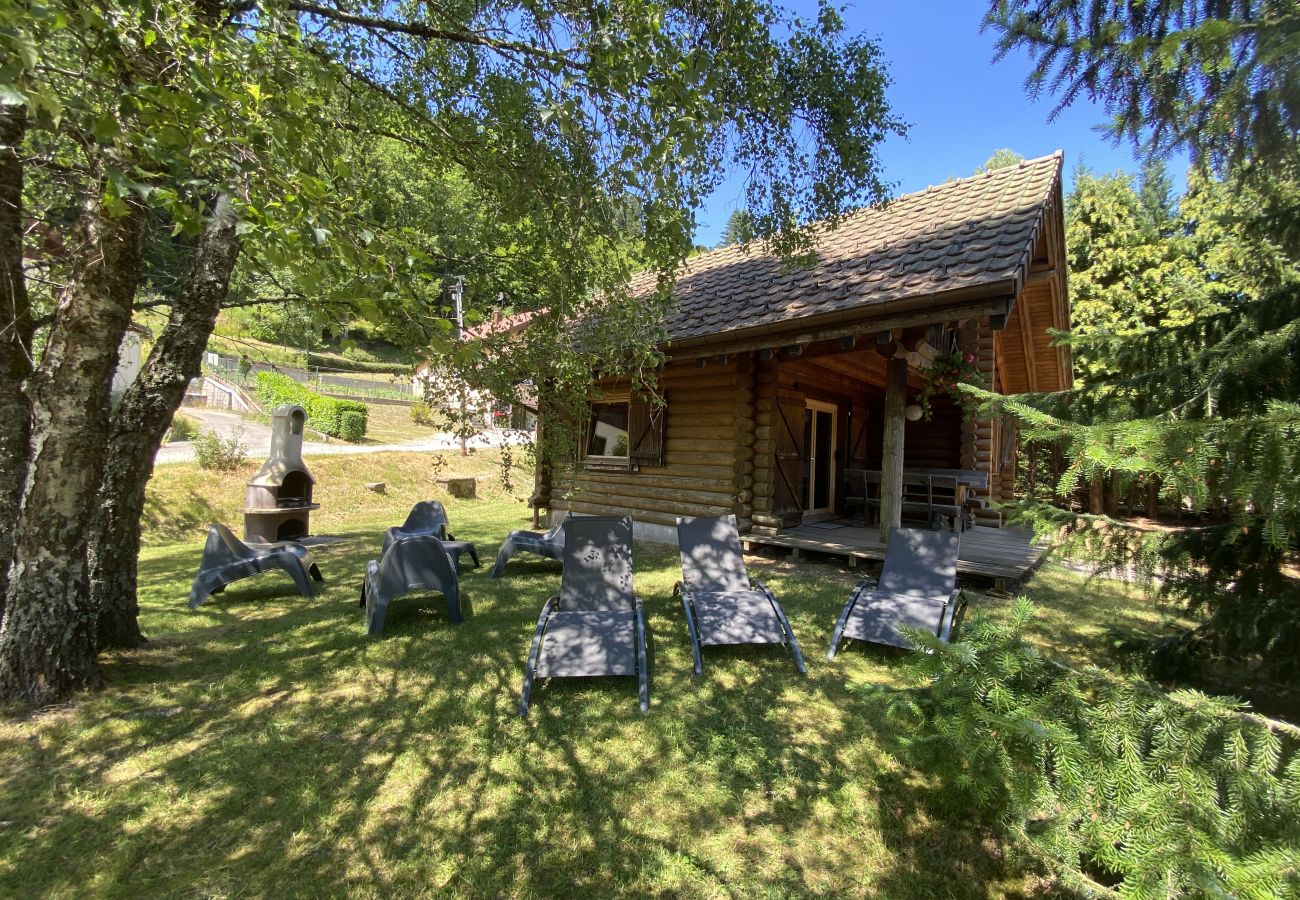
[(818, 487), (787, 495)]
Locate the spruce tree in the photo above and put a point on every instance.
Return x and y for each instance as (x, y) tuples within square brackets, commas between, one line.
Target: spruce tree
[(1207, 404)]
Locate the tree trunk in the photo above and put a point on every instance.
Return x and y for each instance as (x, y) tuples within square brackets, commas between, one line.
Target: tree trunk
[(891, 454), (47, 640), (1111, 495), (1097, 494), (140, 422), (15, 335)]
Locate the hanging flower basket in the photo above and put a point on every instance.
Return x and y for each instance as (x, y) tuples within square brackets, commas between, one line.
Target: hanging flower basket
[(944, 375)]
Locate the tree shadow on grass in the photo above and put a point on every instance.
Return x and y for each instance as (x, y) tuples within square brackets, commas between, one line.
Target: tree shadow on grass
[(265, 744)]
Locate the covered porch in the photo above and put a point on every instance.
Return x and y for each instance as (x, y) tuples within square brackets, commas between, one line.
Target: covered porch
[(1002, 554), (838, 434)]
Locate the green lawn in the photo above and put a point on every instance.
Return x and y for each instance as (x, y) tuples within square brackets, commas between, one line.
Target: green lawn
[(263, 745), (391, 423)]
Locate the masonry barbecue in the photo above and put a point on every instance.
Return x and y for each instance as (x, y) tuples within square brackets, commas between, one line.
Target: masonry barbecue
[(278, 499)]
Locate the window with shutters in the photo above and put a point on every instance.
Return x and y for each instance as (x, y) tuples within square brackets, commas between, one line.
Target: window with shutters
[(625, 433), (607, 431)]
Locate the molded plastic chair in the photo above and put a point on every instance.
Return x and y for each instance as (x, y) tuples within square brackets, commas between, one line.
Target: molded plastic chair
[(917, 589), (418, 561), (227, 559), (595, 626), (428, 517), (549, 544), (723, 604)]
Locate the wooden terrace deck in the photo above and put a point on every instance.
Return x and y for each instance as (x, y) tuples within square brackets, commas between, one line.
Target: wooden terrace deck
[(999, 553)]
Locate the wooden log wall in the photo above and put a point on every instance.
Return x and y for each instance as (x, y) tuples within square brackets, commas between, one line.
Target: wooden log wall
[(744, 437), (698, 477), (765, 387), (936, 443), (978, 441)]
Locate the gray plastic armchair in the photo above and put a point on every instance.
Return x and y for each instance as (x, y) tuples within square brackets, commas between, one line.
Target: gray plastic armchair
[(596, 625), (723, 604), (549, 544), (227, 559), (427, 517), (409, 563), (917, 589)]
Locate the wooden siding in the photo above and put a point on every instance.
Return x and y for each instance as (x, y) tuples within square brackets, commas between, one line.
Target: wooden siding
[(1029, 359), (699, 471)]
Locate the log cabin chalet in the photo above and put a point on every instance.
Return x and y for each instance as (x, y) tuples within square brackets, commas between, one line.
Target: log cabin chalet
[(781, 380)]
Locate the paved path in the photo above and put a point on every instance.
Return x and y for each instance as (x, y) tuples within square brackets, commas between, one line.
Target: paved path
[(257, 437)]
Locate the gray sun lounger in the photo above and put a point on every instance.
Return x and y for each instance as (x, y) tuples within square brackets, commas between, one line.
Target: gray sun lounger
[(722, 604), (549, 544), (917, 589), (227, 559), (410, 563), (596, 625)]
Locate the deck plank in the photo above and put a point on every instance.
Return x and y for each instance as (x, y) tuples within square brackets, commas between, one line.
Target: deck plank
[(992, 552)]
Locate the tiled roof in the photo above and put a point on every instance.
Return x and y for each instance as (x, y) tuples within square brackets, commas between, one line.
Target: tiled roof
[(971, 233), (500, 325)]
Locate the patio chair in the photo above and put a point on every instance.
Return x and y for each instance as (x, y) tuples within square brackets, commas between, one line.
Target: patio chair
[(549, 544), (417, 561), (428, 517), (227, 559), (917, 588), (595, 625), (723, 604)]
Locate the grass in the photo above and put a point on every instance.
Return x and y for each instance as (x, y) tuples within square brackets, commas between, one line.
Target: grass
[(263, 745), (389, 423)]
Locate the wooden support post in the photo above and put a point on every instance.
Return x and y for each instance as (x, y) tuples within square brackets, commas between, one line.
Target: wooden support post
[(891, 456)]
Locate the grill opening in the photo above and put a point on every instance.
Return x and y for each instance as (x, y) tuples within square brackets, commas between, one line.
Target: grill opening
[(291, 530), (295, 490)]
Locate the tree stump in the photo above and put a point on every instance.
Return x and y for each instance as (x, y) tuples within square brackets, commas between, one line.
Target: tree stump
[(460, 488)]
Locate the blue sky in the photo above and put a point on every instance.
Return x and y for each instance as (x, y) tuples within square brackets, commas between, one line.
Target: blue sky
[(959, 104)]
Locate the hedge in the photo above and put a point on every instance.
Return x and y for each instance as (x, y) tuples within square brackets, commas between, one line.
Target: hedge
[(344, 419)]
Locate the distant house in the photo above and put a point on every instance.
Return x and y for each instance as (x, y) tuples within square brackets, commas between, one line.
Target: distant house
[(781, 381), (485, 410), (129, 360)]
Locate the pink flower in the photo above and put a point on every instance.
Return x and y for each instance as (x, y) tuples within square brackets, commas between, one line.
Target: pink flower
[(969, 357)]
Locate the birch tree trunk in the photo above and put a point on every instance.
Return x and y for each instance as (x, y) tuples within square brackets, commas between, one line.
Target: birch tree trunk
[(47, 639), (140, 422), (15, 335)]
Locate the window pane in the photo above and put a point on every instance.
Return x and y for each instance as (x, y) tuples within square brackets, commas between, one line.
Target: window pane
[(807, 457), (822, 477), (608, 430)]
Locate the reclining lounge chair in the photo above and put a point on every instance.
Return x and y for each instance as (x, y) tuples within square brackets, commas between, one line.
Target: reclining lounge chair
[(595, 626), (722, 604), (409, 563), (917, 589), (227, 559), (550, 544)]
